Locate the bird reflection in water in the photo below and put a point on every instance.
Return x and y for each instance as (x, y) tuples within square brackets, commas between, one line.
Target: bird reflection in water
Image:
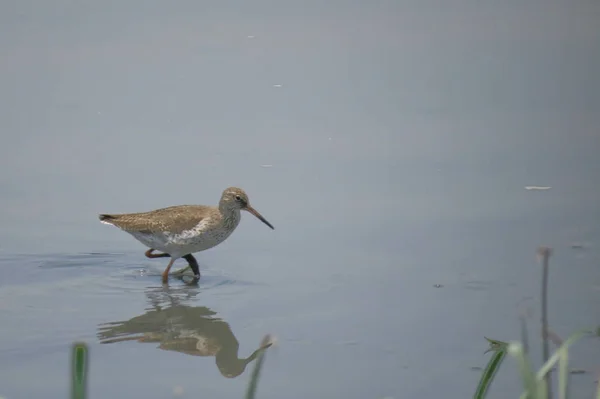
[(193, 330)]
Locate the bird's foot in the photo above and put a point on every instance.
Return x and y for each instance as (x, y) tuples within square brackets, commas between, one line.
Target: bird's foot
[(181, 271), (193, 281)]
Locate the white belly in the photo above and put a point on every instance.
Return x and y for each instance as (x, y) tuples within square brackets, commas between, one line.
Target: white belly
[(187, 242)]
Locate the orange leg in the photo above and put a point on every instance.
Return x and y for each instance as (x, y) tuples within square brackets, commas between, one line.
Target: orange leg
[(165, 275), (149, 254)]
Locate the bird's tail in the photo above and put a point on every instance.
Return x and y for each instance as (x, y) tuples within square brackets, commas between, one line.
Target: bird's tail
[(107, 219)]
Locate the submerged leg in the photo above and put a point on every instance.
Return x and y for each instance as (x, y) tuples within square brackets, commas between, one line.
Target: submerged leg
[(188, 267), (165, 275), (193, 264), (149, 254), (181, 271)]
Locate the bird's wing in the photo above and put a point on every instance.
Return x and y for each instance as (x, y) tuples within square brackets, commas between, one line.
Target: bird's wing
[(174, 219)]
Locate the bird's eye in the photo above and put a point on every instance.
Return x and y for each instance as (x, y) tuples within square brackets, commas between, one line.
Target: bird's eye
[(238, 198)]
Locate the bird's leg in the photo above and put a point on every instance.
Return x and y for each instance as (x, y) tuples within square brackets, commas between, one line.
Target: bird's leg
[(181, 271), (193, 264), (165, 275), (149, 254)]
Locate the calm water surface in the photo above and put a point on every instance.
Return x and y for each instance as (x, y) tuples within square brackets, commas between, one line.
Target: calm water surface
[(399, 158)]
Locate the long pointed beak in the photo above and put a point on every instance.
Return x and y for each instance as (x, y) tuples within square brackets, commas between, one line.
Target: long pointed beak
[(258, 215)]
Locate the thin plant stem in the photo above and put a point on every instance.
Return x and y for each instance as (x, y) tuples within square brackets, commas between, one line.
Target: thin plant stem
[(524, 335), (544, 253)]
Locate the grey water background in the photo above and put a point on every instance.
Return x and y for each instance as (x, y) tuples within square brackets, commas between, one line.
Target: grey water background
[(400, 136)]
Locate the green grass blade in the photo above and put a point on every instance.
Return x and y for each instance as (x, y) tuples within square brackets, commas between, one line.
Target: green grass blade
[(530, 385), (597, 333), (496, 345), (563, 373), (545, 369), (79, 368), (251, 391), (489, 373)]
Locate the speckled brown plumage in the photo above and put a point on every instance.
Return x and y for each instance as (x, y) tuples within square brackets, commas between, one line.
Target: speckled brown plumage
[(174, 219)]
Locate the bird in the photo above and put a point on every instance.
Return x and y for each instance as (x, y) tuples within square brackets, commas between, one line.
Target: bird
[(180, 231)]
